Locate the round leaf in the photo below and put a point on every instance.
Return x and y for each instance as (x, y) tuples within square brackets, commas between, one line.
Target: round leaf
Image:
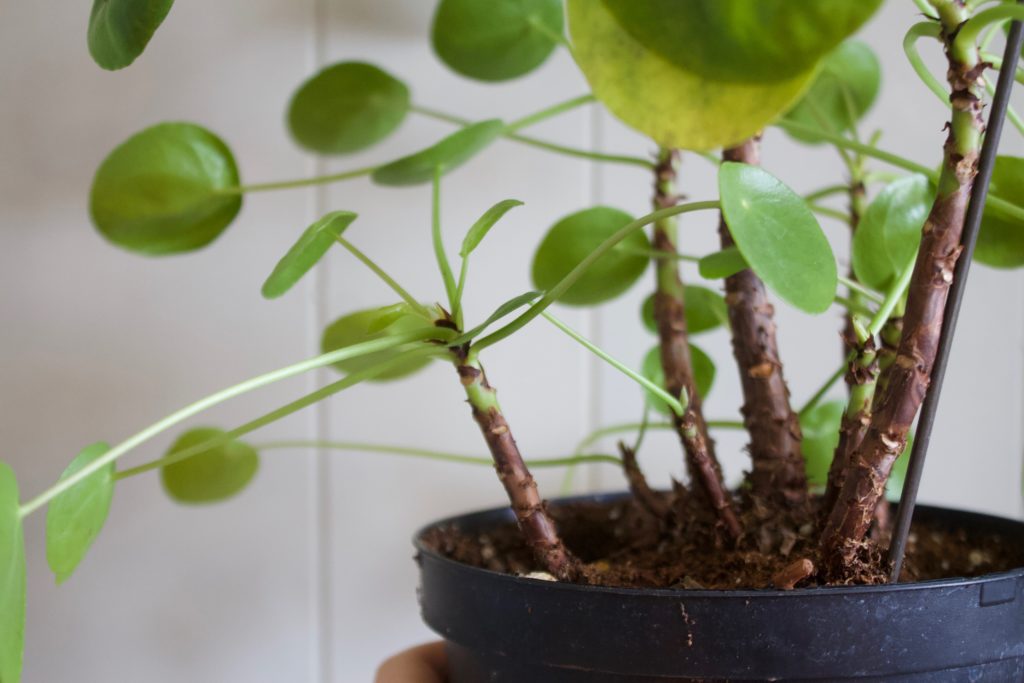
[(722, 264), (573, 238), (347, 107), (165, 190), (359, 327), (842, 92), (12, 579), (314, 242), (778, 236), (820, 427), (703, 375), (213, 475), (742, 40), (119, 30), (75, 518), (498, 39), (889, 232), (674, 106), (446, 155), (705, 310), (1001, 240)]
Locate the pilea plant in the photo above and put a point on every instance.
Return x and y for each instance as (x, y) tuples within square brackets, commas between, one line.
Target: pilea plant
[(700, 79)]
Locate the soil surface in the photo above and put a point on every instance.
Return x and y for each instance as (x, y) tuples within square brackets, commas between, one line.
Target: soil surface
[(623, 544)]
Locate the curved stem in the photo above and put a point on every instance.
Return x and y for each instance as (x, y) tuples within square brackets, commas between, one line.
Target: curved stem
[(967, 35), (221, 396), (671, 401), (576, 273), (1011, 113), (284, 411), (814, 400), (867, 292), (302, 182), (549, 112), (388, 280), (395, 450), (542, 144), (828, 211), (827, 191), (997, 204), (450, 288), (927, 29)]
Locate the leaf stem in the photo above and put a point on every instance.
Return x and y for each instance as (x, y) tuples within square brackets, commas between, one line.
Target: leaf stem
[(302, 182), (361, 349), (828, 211), (670, 400), (387, 279), (814, 400), (927, 29), (542, 144), (435, 455), (435, 233), (892, 298), (284, 411), (576, 273), (549, 112), (1011, 113), (826, 192), (867, 292)]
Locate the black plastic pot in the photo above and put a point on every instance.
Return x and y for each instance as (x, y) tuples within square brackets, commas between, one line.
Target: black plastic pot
[(504, 629)]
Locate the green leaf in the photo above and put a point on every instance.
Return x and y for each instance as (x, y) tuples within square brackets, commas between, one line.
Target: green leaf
[(889, 232), (213, 475), (499, 313), (820, 427), (573, 238), (119, 31), (498, 39), (483, 225), (347, 107), (1001, 240), (76, 517), (705, 310), (722, 264), (674, 106), (447, 155), (703, 375), (389, 315), (12, 579), (742, 40), (842, 92), (311, 246), (165, 190), (356, 327), (778, 236)]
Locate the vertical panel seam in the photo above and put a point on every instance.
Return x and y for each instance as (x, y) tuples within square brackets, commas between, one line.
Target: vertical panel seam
[(320, 562)]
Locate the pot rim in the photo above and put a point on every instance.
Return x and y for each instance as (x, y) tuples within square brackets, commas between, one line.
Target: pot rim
[(421, 548)]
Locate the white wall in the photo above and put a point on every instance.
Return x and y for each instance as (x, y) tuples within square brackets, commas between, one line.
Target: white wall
[(307, 576)]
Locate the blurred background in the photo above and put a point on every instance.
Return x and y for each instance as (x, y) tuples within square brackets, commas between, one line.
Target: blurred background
[(307, 576)]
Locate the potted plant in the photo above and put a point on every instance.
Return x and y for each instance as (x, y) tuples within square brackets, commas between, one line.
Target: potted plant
[(784, 578)]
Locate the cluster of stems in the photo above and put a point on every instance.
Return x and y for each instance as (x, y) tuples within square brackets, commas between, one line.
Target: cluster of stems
[(905, 379)]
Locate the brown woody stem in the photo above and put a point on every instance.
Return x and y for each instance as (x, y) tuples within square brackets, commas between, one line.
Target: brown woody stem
[(674, 346), (906, 379), (536, 525), (861, 378), (648, 499), (777, 472)]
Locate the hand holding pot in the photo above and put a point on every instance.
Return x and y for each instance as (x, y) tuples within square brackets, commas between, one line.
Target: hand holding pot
[(422, 664)]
